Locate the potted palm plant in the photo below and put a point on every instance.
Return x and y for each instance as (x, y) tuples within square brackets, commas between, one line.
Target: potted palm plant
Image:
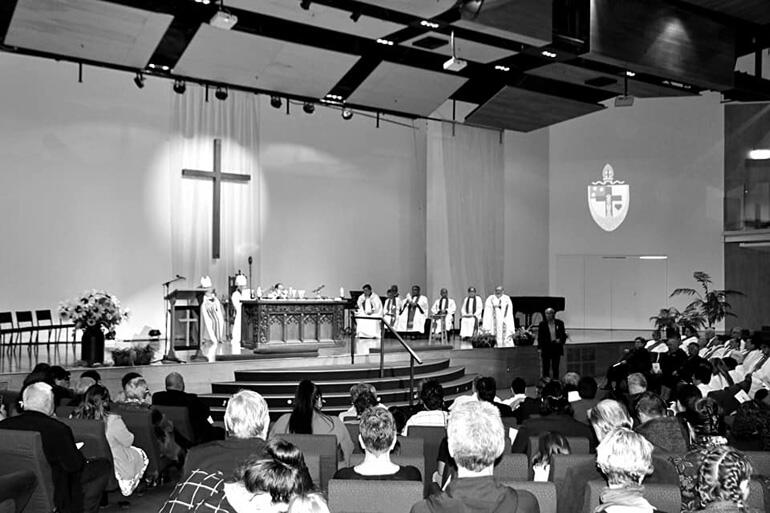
[(709, 306)]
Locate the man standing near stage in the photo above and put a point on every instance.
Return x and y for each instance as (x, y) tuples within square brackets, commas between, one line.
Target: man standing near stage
[(551, 338)]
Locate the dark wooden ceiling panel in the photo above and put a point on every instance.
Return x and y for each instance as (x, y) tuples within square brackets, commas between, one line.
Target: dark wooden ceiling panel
[(754, 11), (521, 110), (663, 39), (527, 21), (583, 76)]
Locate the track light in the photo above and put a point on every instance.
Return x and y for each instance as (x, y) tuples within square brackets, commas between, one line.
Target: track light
[(179, 86), (275, 102), (471, 8), (355, 15), (139, 80), (221, 93), (305, 4), (347, 114), (308, 107)]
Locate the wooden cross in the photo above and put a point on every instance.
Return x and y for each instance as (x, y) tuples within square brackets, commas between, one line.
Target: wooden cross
[(218, 176)]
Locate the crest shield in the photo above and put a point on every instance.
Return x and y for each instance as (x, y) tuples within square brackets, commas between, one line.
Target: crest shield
[(608, 200)]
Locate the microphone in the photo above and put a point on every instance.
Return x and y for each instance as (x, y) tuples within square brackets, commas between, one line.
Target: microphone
[(180, 277), (250, 260), (316, 291)]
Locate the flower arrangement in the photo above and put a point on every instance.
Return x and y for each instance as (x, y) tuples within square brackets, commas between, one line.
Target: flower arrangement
[(94, 308)]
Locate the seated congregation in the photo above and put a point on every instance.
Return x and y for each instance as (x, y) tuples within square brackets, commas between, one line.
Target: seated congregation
[(670, 437)]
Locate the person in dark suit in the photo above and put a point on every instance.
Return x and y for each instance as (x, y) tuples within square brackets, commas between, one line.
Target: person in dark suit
[(78, 482), (174, 395), (550, 342), (486, 388)]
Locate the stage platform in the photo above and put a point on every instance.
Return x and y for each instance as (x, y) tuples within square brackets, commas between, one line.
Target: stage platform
[(589, 353)]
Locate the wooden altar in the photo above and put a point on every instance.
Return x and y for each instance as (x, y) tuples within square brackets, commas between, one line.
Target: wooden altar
[(280, 323)]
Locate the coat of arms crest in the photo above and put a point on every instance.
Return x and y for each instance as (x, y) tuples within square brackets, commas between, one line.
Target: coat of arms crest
[(608, 200)]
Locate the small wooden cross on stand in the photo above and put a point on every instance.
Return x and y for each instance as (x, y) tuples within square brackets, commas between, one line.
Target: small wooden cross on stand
[(218, 176)]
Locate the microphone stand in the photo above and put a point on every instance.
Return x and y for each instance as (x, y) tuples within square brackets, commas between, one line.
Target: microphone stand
[(251, 283), (169, 356)]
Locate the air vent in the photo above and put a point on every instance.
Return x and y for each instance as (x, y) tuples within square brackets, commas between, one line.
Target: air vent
[(430, 42), (601, 81)]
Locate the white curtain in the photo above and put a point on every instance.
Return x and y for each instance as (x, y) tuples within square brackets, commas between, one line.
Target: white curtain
[(465, 209), (195, 125)]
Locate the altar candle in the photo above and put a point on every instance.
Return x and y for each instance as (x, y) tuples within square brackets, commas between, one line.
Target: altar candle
[(259, 291), (342, 292)]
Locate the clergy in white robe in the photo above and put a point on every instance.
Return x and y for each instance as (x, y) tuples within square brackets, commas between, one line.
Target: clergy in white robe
[(760, 373), (470, 314), (445, 306), (392, 307), (213, 331), (237, 296), (498, 318), (368, 305), (413, 313)]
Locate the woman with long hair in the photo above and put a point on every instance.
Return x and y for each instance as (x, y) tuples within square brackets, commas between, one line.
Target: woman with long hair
[(130, 462), (307, 418), (549, 444)]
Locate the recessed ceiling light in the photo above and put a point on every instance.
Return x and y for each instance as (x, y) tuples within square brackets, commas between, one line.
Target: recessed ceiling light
[(761, 154), (549, 54), (386, 42), (429, 24), (502, 68), (630, 74), (653, 257)]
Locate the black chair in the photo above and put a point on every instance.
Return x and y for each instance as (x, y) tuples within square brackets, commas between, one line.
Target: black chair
[(92, 434), (25, 329), (16, 488), (323, 446), (24, 450), (7, 337), (180, 416), (363, 496), (431, 438), (44, 323)]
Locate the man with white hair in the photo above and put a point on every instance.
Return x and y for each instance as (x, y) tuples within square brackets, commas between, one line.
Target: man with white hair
[(78, 482), (246, 421), (476, 438), (200, 414), (498, 318)]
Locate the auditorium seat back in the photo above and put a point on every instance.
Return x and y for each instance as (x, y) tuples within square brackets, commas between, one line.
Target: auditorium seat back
[(562, 462), (513, 467), (409, 446), (64, 411), (139, 422), (431, 440), (24, 450), (323, 446), (362, 496), (545, 493), (180, 416), (354, 429), (760, 462), (92, 434)]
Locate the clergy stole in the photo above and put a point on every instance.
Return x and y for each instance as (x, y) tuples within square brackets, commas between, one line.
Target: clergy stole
[(391, 310), (413, 305)]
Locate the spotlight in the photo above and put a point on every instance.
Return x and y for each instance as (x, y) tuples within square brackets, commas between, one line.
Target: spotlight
[(347, 114), (308, 107), (305, 4), (355, 15), (139, 80), (179, 87), (221, 93), (275, 102), (471, 8)]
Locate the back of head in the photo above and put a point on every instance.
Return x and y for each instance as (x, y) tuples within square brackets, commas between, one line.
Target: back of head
[(364, 400), (607, 416), (688, 395), (549, 444), (518, 386), (90, 373), (723, 475), (702, 373), (554, 400), (432, 395), (730, 362), (283, 475), (358, 388), (59, 373), (175, 381), (706, 418), (82, 384), (570, 381), (38, 397), (637, 383), (475, 435), (399, 417), (587, 387), (650, 405), (128, 378), (308, 503), (95, 404), (305, 400), (247, 415), (486, 388), (624, 457), (378, 430)]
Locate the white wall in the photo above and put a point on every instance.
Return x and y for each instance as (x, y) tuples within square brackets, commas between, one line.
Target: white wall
[(670, 152)]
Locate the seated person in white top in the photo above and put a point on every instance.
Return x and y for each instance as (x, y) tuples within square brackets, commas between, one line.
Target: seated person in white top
[(432, 413), (444, 305), (711, 342), (355, 391), (470, 314), (760, 373), (753, 355), (657, 344), (413, 313), (734, 344), (392, 306), (369, 305)]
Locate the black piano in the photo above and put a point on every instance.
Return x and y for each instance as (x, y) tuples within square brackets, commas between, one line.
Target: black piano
[(530, 305)]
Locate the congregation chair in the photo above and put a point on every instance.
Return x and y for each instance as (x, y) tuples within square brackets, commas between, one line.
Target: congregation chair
[(363, 496), (577, 445), (16, 488), (409, 446), (513, 467), (354, 429), (25, 328), (180, 416), (64, 411), (139, 422), (545, 493), (24, 450), (323, 446), (562, 462), (760, 462), (431, 439), (92, 434)]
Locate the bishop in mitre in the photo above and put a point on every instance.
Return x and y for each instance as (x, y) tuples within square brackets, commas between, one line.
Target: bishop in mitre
[(368, 305), (498, 318), (443, 311), (470, 313), (239, 294), (413, 313), (392, 307), (213, 331)]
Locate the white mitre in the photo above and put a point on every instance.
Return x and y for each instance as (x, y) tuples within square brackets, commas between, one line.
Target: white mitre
[(240, 281), (206, 282)]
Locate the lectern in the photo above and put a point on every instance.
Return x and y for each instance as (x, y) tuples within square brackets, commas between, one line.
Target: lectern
[(193, 298)]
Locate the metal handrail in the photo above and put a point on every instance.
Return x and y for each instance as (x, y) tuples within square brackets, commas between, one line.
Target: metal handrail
[(412, 355)]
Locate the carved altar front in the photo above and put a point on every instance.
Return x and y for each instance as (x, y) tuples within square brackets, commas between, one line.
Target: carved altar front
[(276, 322)]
